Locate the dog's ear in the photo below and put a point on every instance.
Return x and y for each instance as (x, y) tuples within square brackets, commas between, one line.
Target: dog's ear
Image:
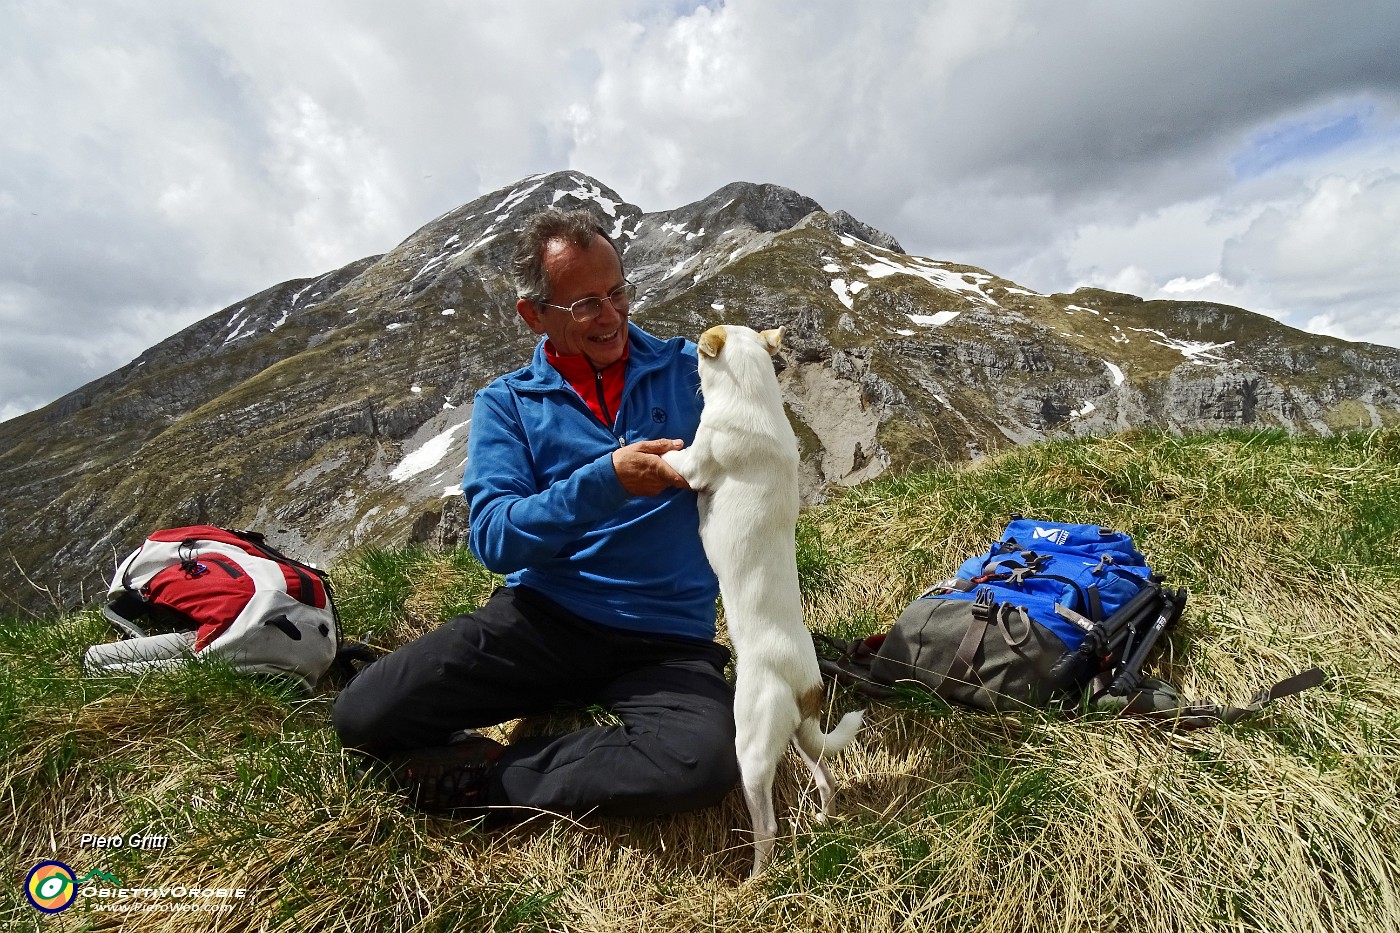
[(772, 339), (712, 341)]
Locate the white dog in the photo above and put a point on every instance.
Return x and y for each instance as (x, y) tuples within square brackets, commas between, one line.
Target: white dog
[(744, 466)]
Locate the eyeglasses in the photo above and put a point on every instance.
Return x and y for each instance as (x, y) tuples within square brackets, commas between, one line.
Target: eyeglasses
[(586, 309)]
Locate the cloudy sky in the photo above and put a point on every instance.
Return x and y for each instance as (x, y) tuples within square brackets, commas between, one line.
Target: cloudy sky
[(160, 159)]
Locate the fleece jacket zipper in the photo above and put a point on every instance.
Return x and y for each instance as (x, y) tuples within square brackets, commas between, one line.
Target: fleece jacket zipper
[(603, 401)]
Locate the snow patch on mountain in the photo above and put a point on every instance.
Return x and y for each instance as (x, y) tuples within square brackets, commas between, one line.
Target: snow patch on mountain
[(238, 327), (428, 455), (588, 192), (931, 272), (513, 200), (843, 292), (1200, 352), (933, 320)]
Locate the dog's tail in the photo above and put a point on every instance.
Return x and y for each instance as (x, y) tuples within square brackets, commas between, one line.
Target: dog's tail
[(818, 744)]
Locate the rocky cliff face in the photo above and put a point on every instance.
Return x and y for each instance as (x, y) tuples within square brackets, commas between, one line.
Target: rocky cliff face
[(333, 412)]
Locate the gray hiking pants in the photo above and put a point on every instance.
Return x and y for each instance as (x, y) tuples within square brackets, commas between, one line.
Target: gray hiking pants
[(522, 655)]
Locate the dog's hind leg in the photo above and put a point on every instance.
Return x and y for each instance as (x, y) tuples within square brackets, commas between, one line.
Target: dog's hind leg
[(758, 794), (765, 719), (826, 787)]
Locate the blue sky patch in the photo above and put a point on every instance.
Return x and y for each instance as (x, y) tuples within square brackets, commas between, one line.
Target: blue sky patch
[(1294, 140)]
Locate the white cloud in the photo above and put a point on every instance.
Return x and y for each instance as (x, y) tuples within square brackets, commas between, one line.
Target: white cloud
[(1321, 254), (1333, 254), (161, 160), (1338, 241), (831, 99), (1190, 287), (1178, 239)]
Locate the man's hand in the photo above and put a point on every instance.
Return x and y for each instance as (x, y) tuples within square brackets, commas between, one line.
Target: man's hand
[(642, 472)]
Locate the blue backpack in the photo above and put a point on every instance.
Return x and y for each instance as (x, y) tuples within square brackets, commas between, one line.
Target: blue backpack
[(1047, 609), (1052, 609), (1064, 577)]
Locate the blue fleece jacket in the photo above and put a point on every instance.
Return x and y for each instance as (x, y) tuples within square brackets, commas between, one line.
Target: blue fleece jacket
[(547, 509)]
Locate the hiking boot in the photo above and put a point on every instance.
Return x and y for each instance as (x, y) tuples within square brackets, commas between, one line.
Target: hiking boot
[(446, 778)]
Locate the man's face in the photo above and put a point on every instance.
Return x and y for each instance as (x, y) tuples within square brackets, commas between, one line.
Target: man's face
[(573, 274)]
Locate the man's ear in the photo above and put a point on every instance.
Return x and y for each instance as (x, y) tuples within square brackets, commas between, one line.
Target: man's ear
[(772, 339), (529, 312)]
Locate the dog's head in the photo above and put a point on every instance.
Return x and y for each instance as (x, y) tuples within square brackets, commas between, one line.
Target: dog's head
[(712, 341), (738, 361)]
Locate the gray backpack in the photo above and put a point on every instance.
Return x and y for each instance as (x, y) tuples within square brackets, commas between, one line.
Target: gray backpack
[(992, 666), (1052, 610)]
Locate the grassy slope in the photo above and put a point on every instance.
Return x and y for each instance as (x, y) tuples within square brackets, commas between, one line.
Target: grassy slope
[(948, 819)]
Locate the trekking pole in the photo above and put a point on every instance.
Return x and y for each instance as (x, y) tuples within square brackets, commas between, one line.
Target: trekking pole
[(1106, 638), (1129, 676)]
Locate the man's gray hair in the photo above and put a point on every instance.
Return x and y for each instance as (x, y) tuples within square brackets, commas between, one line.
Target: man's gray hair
[(577, 227)]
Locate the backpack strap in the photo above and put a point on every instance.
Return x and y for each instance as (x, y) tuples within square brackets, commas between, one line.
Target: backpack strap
[(1303, 680), (1159, 701), (950, 585), (960, 671), (1008, 614), (351, 658), (303, 571), (848, 662), (123, 611)]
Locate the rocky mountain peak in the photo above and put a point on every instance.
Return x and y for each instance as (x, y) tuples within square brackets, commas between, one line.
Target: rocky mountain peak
[(765, 208), (1099, 297), (843, 222)]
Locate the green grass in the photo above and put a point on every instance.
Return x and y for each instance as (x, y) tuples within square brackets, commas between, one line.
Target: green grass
[(387, 596), (946, 819)]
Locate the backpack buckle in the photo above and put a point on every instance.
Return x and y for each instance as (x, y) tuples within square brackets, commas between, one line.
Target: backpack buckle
[(984, 606)]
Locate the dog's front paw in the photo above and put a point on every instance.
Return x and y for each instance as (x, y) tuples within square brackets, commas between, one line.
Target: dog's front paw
[(677, 460), (683, 462)]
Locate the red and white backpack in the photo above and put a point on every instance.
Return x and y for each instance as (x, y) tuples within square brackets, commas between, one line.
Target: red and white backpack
[(216, 593)]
